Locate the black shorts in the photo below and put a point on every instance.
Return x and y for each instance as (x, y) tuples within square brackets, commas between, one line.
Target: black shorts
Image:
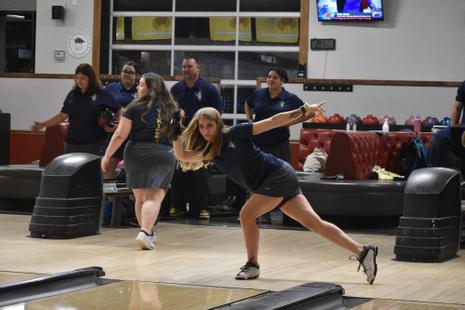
[(281, 183)]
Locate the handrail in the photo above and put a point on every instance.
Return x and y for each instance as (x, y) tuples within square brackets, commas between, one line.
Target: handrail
[(411, 83), (259, 80), (103, 77)]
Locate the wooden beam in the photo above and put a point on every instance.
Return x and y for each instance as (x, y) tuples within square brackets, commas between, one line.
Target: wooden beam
[(303, 38), (103, 77), (409, 83), (96, 35)]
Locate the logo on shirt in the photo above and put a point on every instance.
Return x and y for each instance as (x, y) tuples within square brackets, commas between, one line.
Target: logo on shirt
[(281, 103), (94, 97), (199, 95), (231, 145)]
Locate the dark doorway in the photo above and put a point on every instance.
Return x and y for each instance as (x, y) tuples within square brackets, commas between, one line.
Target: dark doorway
[(17, 41)]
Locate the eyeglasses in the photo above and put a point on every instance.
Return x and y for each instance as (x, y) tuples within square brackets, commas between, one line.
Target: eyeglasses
[(128, 72)]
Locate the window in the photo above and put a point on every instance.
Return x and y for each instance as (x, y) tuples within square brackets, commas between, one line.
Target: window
[(213, 65), (270, 6), (143, 5), (17, 41), (234, 40), (205, 31), (206, 5), (148, 30), (145, 61), (253, 64)]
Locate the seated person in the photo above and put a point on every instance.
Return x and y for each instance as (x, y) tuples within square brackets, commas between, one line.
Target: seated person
[(447, 148), (355, 6)]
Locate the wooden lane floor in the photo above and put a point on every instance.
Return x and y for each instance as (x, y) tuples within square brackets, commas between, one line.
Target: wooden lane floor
[(6, 277), (200, 255), (137, 295)]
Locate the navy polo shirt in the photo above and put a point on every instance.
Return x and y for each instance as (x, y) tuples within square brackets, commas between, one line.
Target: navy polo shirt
[(83, 110), (461, 98), (444, 136), (242, 161), (444, 149), (144, 122), (122, 95), (202, 94), (264, 107)]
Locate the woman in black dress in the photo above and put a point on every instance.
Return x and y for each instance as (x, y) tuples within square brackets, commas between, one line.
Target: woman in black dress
[(148, 155)]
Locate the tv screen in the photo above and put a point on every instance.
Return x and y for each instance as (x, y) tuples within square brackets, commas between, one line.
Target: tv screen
[(24, 53), (345, 10)]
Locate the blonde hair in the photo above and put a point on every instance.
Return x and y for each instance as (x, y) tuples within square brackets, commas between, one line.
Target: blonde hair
[(194, 141)]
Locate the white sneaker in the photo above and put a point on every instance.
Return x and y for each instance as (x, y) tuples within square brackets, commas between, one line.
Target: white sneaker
[(248, 272), (145, 241), (367, 260), (153, 238)]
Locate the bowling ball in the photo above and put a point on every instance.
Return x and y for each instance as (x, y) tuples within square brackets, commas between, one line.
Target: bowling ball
[(106, 118), (409, 120), (390, 118), (370, 119), (336, 119), (120, 164), (445, 121), (430, 121), (320, 118), (353, 119)]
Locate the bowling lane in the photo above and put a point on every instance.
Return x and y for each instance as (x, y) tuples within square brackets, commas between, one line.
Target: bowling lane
[(142, 295)]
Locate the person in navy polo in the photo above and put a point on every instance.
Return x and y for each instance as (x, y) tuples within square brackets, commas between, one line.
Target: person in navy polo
[(124, 91), (271, 181), (266, 102), (81, 108), (192, 94), (447, 148), (269, 101)]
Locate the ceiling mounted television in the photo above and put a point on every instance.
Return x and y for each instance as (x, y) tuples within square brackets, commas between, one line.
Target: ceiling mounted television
[(350, 10)]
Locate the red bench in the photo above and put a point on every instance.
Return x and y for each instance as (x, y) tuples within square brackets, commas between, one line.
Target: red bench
[(353, 155)]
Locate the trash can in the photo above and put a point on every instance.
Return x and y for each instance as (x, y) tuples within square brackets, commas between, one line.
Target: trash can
[(70, 198), (430, 226)]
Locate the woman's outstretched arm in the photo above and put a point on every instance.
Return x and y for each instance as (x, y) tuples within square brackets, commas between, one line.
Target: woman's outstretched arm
[(54, 120), (288, 118), (188, 156)]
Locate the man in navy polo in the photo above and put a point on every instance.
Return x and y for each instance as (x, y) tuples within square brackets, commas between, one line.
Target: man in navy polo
[(191, 94)]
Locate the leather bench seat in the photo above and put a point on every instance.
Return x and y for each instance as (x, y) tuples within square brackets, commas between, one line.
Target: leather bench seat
[(20, 184), (20, 181), (352, 197), (22, 171), (353, 155)]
